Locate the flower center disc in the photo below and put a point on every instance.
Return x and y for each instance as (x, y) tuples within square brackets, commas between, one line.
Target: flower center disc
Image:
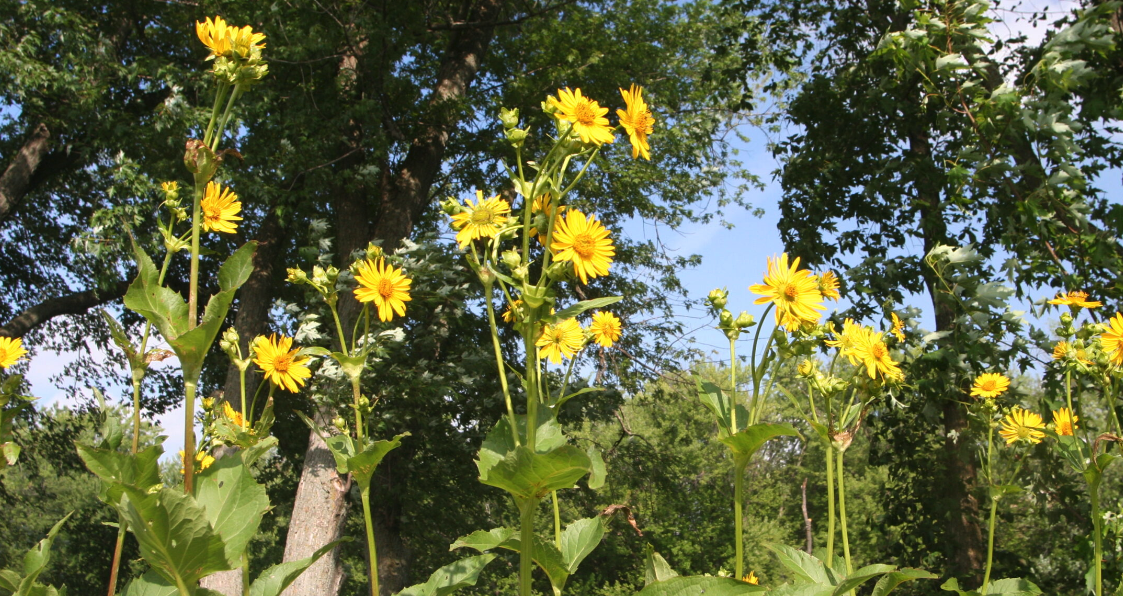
[(385, 288), (481, 216), (584, 245), (790, 291), (878, 351), (282, 363), (584, 114)]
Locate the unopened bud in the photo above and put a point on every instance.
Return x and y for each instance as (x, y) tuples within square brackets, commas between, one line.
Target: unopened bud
[(511, 259), (199, 159), (744, 320), (1066, 318), (296, 276), (487, 276), (806, 368), (559, 270), (451, 206), (509, 118), (516, 136), (725, 319), (374, 251), (717, 299), (339, 423)]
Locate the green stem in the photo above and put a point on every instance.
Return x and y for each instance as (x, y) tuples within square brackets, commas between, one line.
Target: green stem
[(246, 572), (733, 400), (356, 394), (526, 544), (219, 94), (193, 283), (499, 362), (993, 505), (245, 414), (557, 520), (830, 505), (339, 330), (531, 385), (189, 438), (1097, 536), (225, 117), (372, 550), (738, 518), (121, 528), (842, 514)]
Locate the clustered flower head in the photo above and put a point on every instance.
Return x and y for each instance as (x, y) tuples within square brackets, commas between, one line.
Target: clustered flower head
[(605, 328), (384, 285), (585, 242), (990, 385), (236, 51), (283, 366), (558, 340), (1022, 425), (479, 220), (220, 208), (586, 118)]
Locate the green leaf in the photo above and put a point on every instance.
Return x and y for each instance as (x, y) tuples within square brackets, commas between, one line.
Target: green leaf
[(546, 555), (1013, 586), (151, 584), (499, 440), (450, 578), (598, 469), (529, 475), (237, 268), (117, 332), (803, 590), (36, 559), (806, 567), (746, 442), (695, 585), (952, 585), (342, 447), (719, 404), (275, 579), (174, 535), (362, 466), (234, 503), (117, 469), (579, 539), (1072, 449), (655, 568), (192, 346), (890, 582), (861, 576), (484, 540), (163, 307), (572, 311), (9, 580)]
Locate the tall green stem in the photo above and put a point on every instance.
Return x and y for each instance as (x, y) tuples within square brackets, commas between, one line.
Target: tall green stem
[(372, 551), (531, 386), (733, 399), (193, 282), (526, 545), (1097, 537), (356, 394), (189, 438), (738, 518), (499, 362), (121, 529), (557, 520), (830, 505), (993, 503), (246, 572), (842, 513)]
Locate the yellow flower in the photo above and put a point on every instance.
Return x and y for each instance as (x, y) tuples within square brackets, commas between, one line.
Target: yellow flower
[(871, 351), (482, 220), (281, 364), (584, 241), (220, 209), (898, 327), (637, 121), (543, 204), (1064, 423), (11, 350), (214, 35), (203, 460), (1060, 352), (1022, 425), (386, 286), (562, 340), (1112, 340), (990, 385), (586, 115), (245, 41), (751, 578), (1074, 298), (232, 415), (845, 341), (828, 285), (606, 328), (795, 293), (510, 315)]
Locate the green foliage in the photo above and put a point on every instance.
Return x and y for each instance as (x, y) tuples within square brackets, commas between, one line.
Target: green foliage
[(24, 582), (450, 578)]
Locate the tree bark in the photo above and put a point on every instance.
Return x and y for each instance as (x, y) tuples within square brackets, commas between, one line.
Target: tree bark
[(16, 180), (71, 304)]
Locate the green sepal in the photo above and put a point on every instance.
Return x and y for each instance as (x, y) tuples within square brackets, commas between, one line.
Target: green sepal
[(656, 568), (362, 465), (530, 475), (695, 585), (275, 579), (450, 578), (234, 504)]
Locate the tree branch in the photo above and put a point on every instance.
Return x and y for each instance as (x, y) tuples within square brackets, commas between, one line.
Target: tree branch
[(71, 304), (16, 180)]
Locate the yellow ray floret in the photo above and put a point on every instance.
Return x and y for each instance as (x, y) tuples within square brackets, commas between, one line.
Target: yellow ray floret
[(828, 285), (1022, 425), (846, 341), (544, 204), (11, 350), (586, 115), (220, 208), (870, 350), (605, 328), (384, 285), (1075, 298), (233, 415), (483, 219), (898, 329), (244, 41), (281, 364), (794, 292), (751, 578), (990, 385), (564, 339), (1064, 422), (1112, 340), (203, 460), (1061, 351), (637, 121), (584, 241), (214, 34)]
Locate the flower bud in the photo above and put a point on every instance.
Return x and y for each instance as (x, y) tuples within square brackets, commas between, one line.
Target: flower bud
[(806, 368), (516, 136), (717, 299), (199, 159), (208, 403), (374, 251), (744, 320), (1066, 318), (725, 319), (559, 270), (451, 206), (171, 193), (511, 259), (339, 423), (296, 276), (509, 118), (487, 276), (520, 272)]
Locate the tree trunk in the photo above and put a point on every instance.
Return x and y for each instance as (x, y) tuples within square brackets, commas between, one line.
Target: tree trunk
[(16, 180)]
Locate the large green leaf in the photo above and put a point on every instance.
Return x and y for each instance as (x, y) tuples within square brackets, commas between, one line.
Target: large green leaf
[(118, 469), (598, 470), (803, 590), (362, 466), (575, 309), (746, 442), (1014, 586), (656, 568), (482, 540), (163, 307), (192, 346), (806, 567), (35, 560), (174, 535), (274, 580), (237, 268), (529, 475), (890, 582), (719, 403), (449, 578), (234, 503), (151, 584), (579, 539), (696, 585), (499, 440), (861, 576), (546, 554)]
